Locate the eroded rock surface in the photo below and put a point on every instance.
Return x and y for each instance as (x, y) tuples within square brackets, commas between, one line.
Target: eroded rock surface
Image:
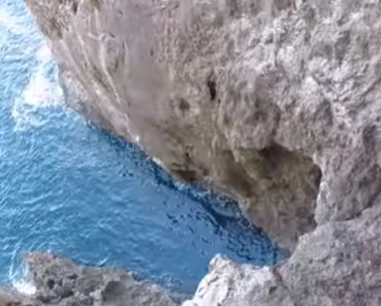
[(218, 91), (337, 264), (273, 102), (60, 282), (229, 283), (10, 297)]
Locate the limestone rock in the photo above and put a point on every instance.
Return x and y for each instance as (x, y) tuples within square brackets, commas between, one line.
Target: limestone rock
[(218, 91), (229, 283), (61, 282), (9, 297), (274, 102), (338, 264)]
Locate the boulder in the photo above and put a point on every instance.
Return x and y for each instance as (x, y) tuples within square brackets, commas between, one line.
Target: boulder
[(61, 282)]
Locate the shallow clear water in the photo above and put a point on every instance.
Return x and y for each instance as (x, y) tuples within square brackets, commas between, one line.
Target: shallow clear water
[(68, 187)]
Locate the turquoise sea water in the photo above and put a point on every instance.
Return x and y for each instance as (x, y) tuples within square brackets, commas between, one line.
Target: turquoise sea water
[(70, 188)]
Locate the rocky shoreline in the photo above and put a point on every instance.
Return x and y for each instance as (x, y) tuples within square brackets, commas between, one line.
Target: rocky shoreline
[(62, 282), (335, 265), (275, 103)]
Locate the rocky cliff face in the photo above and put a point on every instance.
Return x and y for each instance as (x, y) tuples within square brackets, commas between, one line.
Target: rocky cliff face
[(337, 264), (273, 102)]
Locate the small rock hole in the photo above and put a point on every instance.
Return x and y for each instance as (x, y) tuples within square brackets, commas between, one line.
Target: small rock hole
[(212, 89), (75, 7), (184, 105), (50, 283)]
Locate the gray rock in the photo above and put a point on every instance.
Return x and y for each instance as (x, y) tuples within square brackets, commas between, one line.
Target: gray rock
[(229, 283), (210, 90), (338, 264), (274, 102), (9, 297), (61, 282)]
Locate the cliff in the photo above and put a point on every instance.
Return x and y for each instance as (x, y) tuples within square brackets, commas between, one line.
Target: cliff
[(275, 103)]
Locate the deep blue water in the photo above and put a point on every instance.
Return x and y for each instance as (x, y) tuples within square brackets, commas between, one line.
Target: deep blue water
[(68, 187)]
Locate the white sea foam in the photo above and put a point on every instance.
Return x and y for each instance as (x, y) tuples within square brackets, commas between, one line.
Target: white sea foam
[(18, 275), (24, 287), (43, 54), (42, 91), (13, 23)]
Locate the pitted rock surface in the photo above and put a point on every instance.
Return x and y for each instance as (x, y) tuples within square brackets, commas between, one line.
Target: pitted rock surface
[(274, 102), (61, 282)]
